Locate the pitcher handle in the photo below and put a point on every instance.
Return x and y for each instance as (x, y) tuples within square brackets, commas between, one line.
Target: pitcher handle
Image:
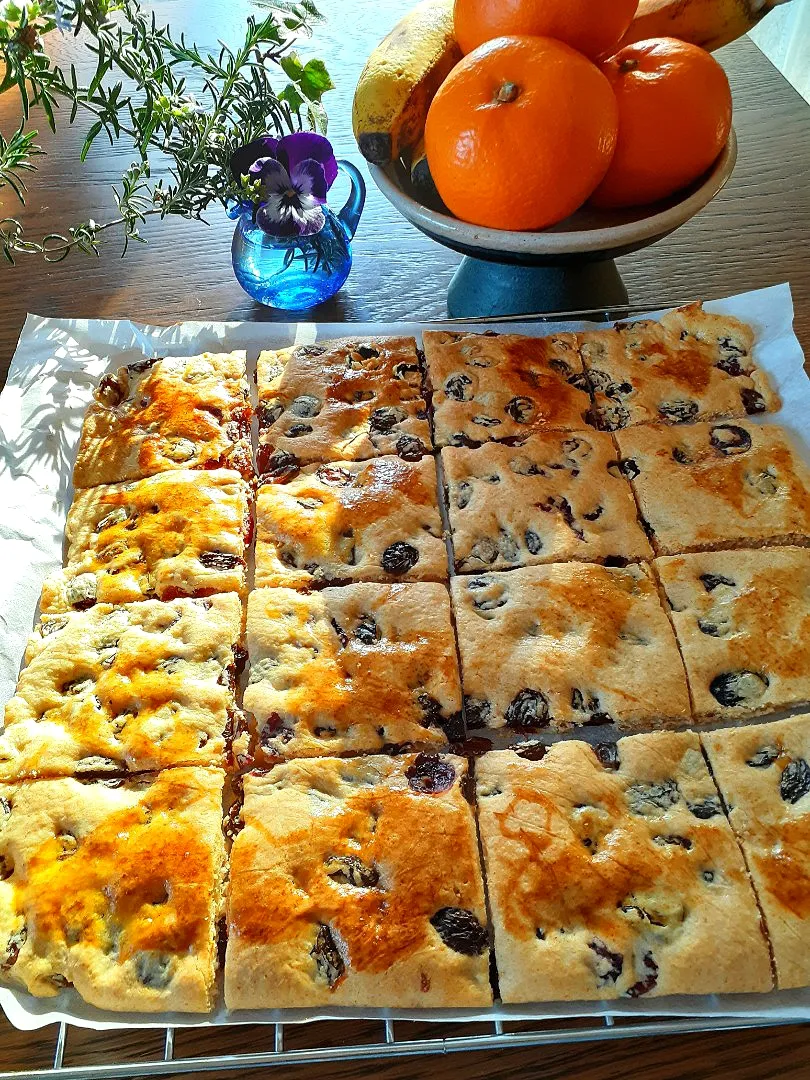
[(349, 216)]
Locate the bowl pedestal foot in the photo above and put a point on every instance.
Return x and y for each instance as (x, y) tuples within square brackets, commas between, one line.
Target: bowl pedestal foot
[(480, 287)]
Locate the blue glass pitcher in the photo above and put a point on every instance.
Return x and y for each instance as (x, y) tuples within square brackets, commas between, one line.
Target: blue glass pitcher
[(297, 272)]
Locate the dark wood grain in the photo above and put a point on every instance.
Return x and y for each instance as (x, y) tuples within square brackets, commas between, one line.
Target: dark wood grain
[(754, 234)]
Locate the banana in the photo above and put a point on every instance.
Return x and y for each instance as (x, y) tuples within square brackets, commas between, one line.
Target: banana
[(420, 172), (399, 80), (708, 23)]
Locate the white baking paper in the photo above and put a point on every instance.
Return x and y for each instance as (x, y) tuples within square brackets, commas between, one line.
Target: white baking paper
[(53, 372)]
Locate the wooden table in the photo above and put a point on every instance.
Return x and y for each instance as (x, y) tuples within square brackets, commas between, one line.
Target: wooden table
[(754, 234)]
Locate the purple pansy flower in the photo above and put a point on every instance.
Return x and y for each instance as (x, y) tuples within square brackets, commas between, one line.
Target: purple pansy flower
[(294, 175)]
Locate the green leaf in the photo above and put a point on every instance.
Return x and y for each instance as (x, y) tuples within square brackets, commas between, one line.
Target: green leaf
[(292, 66), (15, 183), (292, 97), (316, 115), (95, 129), (314, 80)]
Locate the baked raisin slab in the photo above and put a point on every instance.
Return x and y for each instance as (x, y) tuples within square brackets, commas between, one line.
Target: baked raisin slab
[(742, 619), (689, 366), (357, 882), (565, 645), (173, 534), (764, 776), (729, 343), (347, 400), (553, 498), (133, 688), (503, 386), (704, 486), (178, 412), (360, 668), (115, 888), (613, 873), (351, 521)]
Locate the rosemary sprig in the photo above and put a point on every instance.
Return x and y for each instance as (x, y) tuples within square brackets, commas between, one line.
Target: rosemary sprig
[(161, 94)]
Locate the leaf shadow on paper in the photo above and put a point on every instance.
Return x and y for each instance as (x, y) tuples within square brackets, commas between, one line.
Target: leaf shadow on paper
[(45, 446)]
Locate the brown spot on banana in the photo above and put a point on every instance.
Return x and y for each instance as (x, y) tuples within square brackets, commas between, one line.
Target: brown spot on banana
[(400, 79), (708, 23)]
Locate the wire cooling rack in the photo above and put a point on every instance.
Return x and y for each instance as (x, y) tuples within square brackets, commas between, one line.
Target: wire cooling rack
[(383, 1043)]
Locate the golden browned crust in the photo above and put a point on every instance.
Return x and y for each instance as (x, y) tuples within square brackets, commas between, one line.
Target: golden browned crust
[(373, 520), (357, 882), (743, 623), (564, 645), (114, 887), (173, 413), (703, 486), (348, 400), (503, 386), (613, 873), (764, 776), (355, 669), (730, 344), (137, 687), (173, 534), (689, 366), (553, 498)]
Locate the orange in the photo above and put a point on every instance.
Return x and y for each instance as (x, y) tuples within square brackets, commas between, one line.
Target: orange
[(674, 119), (594, 27), (520, 133)]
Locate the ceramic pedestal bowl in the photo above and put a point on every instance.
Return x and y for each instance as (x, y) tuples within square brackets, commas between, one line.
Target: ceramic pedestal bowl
[(568, 267)]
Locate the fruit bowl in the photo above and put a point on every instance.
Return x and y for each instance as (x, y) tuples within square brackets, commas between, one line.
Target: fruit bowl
[(568, 267)]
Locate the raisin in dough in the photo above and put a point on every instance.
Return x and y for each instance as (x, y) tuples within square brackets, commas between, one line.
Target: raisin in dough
[(365, 667), (729, 342), (347, 400), (503, 386), (375, 520), (114, 887), (704, 486), (174, 534), (764, 776), (138, 687), (742, 619), (613, 873), (179, 412), (553, 498), (689, 366), (565, 645), (357, 882)]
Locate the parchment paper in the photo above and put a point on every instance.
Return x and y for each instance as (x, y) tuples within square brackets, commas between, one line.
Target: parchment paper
[(55, 367)]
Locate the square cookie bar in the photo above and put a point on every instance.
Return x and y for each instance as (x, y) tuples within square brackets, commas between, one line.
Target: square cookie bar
[(174, 534), (177, 412), (729, 344), (503, 386), (373, 520), (340, 400), (764, 776), (742, 620), (613, 873), (704, 486), (115, 888), (129, 688), (564, 645), (689, 366), (357, 882), (340, 671), (557, 496)]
